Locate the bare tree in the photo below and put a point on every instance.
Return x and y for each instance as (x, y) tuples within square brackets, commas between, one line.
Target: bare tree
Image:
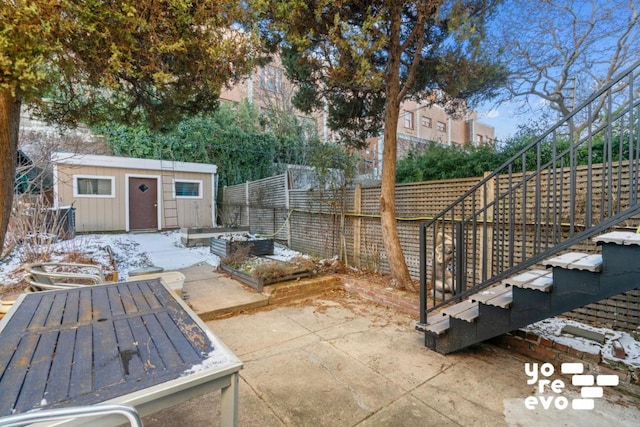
[(561, 51)]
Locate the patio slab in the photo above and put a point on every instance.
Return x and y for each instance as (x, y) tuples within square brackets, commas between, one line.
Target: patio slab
[(337, 360), (211, 294)]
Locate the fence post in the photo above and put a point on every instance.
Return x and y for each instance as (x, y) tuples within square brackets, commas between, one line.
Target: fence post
[(288, 207), (246, 203), (357, 224)]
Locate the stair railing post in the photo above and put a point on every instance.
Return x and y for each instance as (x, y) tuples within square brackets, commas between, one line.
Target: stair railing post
[(461, 284), (423, 273)]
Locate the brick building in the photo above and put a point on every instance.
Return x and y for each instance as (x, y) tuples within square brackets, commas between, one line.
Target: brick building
[(419, 123)]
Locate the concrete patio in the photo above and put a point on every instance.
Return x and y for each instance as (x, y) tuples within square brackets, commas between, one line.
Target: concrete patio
[(337, 360)]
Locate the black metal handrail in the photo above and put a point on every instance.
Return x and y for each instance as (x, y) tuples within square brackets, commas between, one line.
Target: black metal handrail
[(577, 179)]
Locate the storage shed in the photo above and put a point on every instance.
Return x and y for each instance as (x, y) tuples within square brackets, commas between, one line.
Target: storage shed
[(122, 193)]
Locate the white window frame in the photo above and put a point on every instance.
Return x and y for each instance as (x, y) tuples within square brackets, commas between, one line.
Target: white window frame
[(200, 188), (271, 79), (94, 196), (408, 119)]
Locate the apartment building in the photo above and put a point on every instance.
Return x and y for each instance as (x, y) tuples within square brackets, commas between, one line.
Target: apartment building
[(269, 89), (419, 123)]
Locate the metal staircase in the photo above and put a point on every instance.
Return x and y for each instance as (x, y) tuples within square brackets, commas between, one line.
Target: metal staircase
[(575, 279), (483, 258)]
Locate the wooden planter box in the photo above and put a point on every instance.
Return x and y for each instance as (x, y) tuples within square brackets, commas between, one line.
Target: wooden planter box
[(199, 236), (258, 283), (257, 247)]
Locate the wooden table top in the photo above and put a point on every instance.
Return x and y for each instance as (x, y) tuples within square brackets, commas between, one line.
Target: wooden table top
[(87, 345)]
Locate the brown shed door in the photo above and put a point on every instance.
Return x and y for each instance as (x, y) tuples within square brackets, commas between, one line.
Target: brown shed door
[(143, 203)]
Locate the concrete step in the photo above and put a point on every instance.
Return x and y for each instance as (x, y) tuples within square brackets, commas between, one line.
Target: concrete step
[(466, 310), (498, 295), (619, 237), (539, 280), (436, 324), (576, 261)]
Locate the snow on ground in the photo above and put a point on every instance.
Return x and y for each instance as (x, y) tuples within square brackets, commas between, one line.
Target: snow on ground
[(134, 251), (130, 251), (552, 329)]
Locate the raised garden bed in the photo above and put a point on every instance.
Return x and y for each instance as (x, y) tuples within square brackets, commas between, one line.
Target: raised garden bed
[(225, 247), (199, 236), (271, 272)]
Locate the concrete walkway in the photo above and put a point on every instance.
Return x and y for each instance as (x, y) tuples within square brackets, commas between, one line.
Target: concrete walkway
[(336, 360)]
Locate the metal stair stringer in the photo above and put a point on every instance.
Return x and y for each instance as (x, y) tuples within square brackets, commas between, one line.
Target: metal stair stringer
[(575, 280)]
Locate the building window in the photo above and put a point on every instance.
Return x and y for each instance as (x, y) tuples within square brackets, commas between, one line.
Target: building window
[(426, 121), (479, 139), (442, 127), (408, 119), (271, 79), (94, 186), (188, 189)]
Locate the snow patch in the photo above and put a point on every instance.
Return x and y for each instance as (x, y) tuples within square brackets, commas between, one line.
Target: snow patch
[(552, 330)]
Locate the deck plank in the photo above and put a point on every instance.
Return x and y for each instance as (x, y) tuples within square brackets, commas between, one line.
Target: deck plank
[(149, 353), (56, 311), (60, 376), (128, 351), (170, 357), (33, 389), (185, 347), (152, 296), (85, 306), (70, 316), (115, 302), (81, 379), (42, 311), (107, 368), (128, 303), (15, 373), (100, 302), (12, 333), (139, 299)]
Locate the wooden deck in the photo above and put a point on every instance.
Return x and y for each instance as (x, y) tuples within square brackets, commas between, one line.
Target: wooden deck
[(92, 344)]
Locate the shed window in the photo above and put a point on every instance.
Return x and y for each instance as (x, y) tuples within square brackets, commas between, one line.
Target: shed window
[(192, 189), (94, 186)]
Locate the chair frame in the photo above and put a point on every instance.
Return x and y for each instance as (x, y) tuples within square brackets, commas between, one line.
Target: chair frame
[(56, 275)]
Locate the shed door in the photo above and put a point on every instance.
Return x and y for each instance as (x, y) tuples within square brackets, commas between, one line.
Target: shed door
[(143, 203)]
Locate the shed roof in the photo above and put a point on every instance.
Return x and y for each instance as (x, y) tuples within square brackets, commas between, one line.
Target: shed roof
[(129, 163)]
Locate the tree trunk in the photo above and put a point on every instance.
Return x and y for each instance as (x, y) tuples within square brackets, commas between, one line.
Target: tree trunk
[(395, 257), (9, 125)]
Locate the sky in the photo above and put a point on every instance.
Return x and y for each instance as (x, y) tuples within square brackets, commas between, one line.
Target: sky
[(504, 118)]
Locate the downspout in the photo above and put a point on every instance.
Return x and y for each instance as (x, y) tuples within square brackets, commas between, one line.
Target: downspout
[(380, 149), (56, 190), (214, 201), (288, 206), (472, 132), (325, 118), (250, 88)]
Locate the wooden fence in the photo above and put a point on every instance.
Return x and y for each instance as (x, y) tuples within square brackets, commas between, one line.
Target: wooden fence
[(346, 223)]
